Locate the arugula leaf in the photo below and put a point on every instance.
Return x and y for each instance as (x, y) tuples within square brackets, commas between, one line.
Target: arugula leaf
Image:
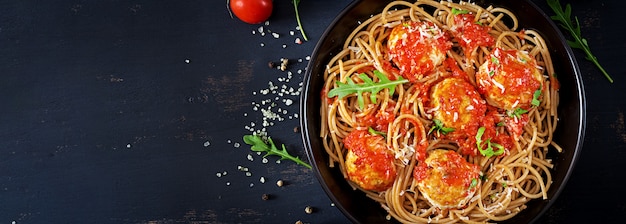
[(488, 151), (344, 89), (439, 128), (257, 144), (564, 17), (295, 7)]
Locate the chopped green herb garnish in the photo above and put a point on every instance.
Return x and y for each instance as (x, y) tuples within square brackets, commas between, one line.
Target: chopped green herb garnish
[(495, 60), (535, 102), (456, 11), (439, 128), (517, 112), (488, 150), (374, 132), (474, 183)]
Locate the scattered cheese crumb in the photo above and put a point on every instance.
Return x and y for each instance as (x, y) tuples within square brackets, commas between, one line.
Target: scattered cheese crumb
[(308, 209)]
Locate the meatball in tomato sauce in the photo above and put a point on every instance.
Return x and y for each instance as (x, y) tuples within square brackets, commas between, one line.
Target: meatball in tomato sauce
[(369, 162), (458, 105), (509, 79), (446, 179), (416, 48)]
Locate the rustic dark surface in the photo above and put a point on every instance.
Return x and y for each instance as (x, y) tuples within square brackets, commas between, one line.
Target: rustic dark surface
[(134, 112)]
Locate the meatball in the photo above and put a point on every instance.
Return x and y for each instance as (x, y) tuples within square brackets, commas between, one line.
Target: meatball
[(417, 48), (446, 180), (369, 163), (457, 104), (509, 79)]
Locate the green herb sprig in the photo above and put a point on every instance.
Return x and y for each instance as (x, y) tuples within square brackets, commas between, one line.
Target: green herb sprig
[(368, 85), (564, 17), (295, 7), (257, 144)]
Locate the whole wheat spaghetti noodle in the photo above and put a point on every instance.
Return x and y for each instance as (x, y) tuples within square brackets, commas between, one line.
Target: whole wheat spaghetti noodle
[(442, 112)]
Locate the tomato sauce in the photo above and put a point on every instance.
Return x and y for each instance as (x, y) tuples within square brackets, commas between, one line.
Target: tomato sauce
[(492, 120), (472, 35), (380, 120), (515, 125), (324, 95), (420, 172), (365, 69), (519, 72), (391, 72), (451, 64)]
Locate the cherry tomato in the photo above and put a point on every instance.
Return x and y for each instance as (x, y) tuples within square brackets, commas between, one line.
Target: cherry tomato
[(252, 11)]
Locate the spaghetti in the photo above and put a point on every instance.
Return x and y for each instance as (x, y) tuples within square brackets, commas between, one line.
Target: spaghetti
[(442, 112)]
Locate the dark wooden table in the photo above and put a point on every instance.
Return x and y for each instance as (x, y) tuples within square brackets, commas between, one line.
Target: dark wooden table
[(134, 111)]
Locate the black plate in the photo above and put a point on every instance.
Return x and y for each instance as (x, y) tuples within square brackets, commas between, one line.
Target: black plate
[(569, 134)]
